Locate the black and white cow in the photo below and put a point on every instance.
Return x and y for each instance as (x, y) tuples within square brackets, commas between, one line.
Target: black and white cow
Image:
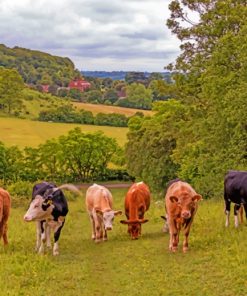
[(48, 208), (235, 190)]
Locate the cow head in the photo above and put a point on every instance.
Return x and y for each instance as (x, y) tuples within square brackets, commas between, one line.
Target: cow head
[(40, 208), (187, 205), (108, 217), (134, 227)]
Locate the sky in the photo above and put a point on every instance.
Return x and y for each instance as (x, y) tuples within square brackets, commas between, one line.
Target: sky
[(110, 35)]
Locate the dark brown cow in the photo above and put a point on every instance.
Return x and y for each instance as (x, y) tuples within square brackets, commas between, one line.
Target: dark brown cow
[(4, 214), (181, 206), (137, 202)]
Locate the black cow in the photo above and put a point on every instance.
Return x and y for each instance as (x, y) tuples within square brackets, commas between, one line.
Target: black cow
[(235, 190), (49, 208)]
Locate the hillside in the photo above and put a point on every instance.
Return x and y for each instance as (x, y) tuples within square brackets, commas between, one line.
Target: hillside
[(37, 67)]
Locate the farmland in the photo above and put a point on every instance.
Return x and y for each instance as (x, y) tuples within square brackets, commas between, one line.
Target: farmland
[(94, 108), (23, 132), (214, 265)]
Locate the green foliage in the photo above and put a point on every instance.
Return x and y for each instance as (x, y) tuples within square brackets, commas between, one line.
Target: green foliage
[(69, 114), (37, 67), (11, 85), (203, 132), (137, 96), (75, 157)]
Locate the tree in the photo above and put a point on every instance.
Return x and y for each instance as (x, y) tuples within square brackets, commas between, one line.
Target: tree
[(11, 85), (137, 96), (85, 156)]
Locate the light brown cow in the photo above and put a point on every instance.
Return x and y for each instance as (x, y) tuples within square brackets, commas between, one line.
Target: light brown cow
[(181, 206), (137, 202), (4, 214), (99, 207)]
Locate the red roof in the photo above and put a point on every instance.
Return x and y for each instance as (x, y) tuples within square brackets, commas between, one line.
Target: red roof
[(79, 84)]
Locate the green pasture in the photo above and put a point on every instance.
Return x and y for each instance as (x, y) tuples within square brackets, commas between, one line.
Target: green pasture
[(24, 132), (215, 265)]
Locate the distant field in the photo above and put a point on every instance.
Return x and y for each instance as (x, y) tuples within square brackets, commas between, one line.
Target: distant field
[(215, 264), (110, 109), (23, 132)]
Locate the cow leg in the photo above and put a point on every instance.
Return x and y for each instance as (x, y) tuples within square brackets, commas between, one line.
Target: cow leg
[(173, 246), (48, 236), (38, 235), (56, 238), (1, 229), (5, 237), (241, 214), (245, 209), (227, 211), (186, 236), (43, 237), (236, 209), (93, 227), (105, 235)]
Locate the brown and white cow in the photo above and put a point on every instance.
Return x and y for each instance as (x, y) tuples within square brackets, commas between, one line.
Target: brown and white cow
[(99, 207), (181, 206), (4, 214), (137, 202)]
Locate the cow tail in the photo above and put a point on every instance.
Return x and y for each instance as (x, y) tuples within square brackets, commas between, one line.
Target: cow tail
[(70, 187)]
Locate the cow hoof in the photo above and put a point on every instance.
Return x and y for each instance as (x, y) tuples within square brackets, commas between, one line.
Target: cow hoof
[(55, 253), (185, 250), (105, 239)]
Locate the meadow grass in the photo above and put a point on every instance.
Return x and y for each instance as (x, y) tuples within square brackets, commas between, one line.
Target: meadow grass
[(214, 265), (97, 108), (24, 132)]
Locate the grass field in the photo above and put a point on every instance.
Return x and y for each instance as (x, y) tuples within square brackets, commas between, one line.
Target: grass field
[(215, 265), (24, 132), (110, 109)]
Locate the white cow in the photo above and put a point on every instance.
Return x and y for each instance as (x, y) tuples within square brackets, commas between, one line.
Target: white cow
[(99, 207)]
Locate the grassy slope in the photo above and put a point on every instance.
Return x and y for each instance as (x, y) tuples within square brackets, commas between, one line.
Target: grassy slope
[(23, 133), (110, 109), (215, 264)]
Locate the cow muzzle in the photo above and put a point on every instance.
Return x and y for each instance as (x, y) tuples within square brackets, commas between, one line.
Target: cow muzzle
[(108, 228), (27, 218), (186, 214)]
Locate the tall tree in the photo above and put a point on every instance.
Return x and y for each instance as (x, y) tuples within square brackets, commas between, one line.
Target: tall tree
[(11, 85)]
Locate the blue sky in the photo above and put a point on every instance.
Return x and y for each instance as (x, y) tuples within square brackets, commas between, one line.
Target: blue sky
[(94, 34)]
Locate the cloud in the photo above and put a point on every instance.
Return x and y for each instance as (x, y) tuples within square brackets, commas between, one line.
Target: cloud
[(95, 34)]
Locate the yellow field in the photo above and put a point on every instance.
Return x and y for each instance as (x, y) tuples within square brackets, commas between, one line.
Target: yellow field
[(110, 109), (24, 132)]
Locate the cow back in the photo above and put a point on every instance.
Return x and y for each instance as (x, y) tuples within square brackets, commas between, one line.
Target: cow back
[(98, 197), (235, 186), (137, 199)]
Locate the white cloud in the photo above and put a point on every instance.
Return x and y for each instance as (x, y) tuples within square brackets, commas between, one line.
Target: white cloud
[(95, 34)]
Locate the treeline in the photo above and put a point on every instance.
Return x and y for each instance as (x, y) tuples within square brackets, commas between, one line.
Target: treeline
[(37, 67), (76, 157), (68, 114), (202, 132)]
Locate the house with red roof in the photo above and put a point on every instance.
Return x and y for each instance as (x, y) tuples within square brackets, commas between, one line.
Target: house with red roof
[(79, 84)]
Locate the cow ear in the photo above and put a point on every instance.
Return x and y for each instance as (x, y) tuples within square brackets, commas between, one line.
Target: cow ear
[(173, 198), (143, 221), (117, 213), (163, 217), (197, 197)]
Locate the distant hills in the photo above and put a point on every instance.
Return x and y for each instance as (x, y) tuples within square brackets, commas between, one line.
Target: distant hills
[(120, 75), (38, 67)]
